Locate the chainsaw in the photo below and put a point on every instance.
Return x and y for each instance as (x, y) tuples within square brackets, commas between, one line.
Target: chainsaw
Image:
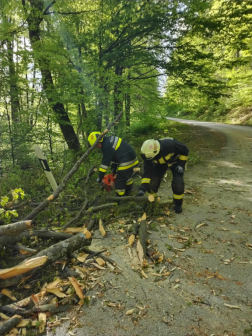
[(108, 182)]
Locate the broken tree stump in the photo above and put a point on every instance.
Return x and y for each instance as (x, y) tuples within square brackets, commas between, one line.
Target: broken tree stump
[(143, 235)]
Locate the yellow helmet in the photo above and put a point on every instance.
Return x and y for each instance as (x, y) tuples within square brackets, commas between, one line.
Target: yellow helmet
[(92, 137)]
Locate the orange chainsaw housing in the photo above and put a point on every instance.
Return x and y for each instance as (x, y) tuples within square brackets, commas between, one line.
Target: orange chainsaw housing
[(108, 182)]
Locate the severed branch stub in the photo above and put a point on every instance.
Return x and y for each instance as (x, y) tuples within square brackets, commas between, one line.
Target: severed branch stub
[(66, 179), (15, 229)]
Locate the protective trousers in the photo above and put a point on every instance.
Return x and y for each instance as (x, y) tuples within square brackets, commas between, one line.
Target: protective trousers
[(124, 182), (177, 184)]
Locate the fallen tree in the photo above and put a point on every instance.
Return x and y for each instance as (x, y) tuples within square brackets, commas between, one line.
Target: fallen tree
[(43, 234), (52, 254), (67, 178)]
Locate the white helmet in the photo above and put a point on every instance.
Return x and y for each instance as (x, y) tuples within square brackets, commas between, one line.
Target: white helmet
[(150, 148)]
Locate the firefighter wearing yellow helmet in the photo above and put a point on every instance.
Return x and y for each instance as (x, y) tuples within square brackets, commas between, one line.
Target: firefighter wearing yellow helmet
[(158, 156), (122, 158)]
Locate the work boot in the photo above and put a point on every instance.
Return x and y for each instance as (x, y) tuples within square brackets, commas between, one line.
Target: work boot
[(178, 209)]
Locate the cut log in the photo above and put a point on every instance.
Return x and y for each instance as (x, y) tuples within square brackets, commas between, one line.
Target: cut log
[(91, 224), (67, 178), (128, 198), (9, 324), (15, 229), (143, 235), (43, 234), (62, 249)]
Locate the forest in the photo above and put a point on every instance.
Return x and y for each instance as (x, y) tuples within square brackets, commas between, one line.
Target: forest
[(72, 67)]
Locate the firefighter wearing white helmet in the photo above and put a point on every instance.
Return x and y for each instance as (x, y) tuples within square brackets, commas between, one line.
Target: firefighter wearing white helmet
[(158, 156), (150, 148), (122, 158)]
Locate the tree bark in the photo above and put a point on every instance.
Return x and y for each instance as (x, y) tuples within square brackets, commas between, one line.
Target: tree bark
[(9, 324), (127, 106), (10, 240), (118, 103), (34, 19), (143, 235), (15, 229), (15, 105), (58, 251)]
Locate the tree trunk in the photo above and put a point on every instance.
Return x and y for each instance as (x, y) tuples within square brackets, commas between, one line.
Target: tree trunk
[(15, 106), (34, 19), (127, 107), (118, 103)]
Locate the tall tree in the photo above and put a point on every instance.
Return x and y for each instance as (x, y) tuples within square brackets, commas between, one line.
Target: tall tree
[(34, 19)]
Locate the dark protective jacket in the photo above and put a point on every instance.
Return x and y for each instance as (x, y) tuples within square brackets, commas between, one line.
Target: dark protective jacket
[(171, 152), (118, 151)]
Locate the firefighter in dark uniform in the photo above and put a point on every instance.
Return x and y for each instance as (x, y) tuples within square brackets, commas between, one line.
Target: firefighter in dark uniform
[(123, 158), (158, 155)]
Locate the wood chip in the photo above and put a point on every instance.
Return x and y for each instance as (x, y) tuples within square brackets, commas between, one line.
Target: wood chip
[(144, 274), (140, 308), (98, 266), (231, 306), (100, 261), (87, 233), (101, 228), (4, 317), (151, 198), (76, 286), (82, 256), (54, 283), (42, 320), (200, 225), (23, 323), (130, 312), (6, 292), (56, 291), (131, 239)]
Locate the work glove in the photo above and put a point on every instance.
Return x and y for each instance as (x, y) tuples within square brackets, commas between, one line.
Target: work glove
[(140, 193), (179, 169), (98, 180)]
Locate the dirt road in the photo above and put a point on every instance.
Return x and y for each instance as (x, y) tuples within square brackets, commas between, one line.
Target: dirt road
[(209, 289)]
